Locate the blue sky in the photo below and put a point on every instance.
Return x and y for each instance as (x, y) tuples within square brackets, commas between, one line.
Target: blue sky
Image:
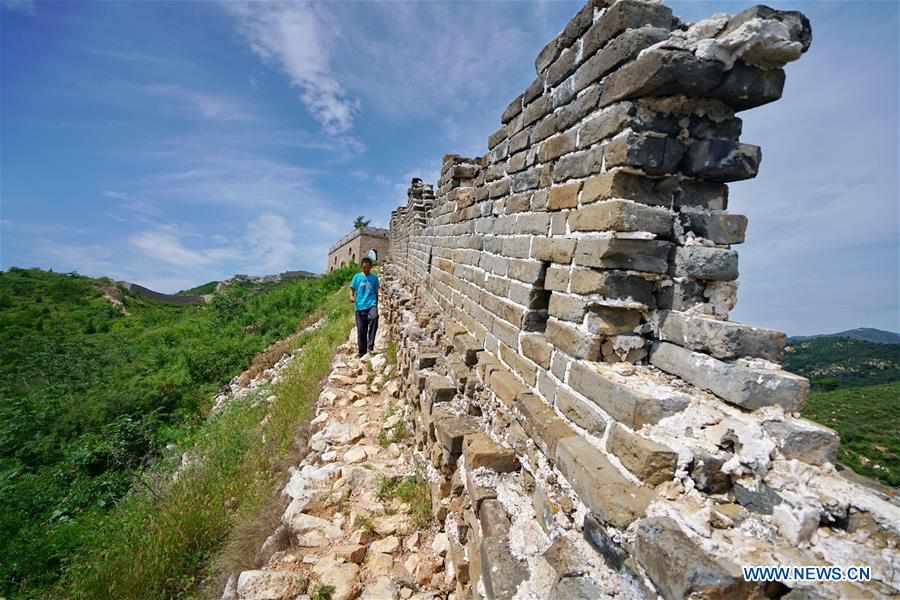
[(172, 143)]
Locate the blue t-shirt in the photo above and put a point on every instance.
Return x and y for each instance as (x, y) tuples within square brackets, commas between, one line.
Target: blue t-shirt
[(365, 287)]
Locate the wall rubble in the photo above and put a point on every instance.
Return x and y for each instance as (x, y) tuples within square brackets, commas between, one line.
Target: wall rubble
[(561, 310)]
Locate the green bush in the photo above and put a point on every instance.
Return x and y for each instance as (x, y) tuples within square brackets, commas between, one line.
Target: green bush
[(89, 396)]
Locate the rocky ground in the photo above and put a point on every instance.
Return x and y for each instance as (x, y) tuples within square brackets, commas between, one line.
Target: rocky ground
[(358, 521)]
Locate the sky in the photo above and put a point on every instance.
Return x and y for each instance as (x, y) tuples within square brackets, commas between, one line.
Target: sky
[(174, 143)]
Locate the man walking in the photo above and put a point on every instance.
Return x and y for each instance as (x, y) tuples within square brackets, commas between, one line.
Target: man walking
[(364, 294)]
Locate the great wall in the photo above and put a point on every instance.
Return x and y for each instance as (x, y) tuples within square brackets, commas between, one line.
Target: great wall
[(591, 423)]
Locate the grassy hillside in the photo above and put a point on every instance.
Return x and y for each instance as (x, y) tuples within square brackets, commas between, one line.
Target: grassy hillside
[(90, 393), (201, 290), (833, 362), (868, 419)]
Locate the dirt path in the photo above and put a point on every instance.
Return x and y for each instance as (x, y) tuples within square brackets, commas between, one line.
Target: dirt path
[(358, 523)]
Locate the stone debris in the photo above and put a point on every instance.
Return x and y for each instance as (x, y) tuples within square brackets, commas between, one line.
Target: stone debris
[(336, 532)]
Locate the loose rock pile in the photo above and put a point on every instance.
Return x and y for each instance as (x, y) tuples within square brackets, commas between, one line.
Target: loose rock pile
[(338, 535)]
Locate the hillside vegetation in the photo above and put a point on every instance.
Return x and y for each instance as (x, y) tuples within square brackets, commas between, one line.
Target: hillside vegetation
[(868, 420), (856, 391), (90, 393), (833, 362)]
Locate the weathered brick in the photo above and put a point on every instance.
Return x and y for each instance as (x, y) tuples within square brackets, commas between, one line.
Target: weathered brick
[(627, 186), (619, 51), (624, 15), (517, 247), (514, 108), (567, 307), (534, 223), (626, 398), (450, 428), (662, 73), (536, 110), (575, 111), (506, 386), (604, 490), (507, 333), (679, 568), (557, 278), (653, 154), (650, 461), (519, 141), (606, 123), (578, 164), (804, 440), (618, 253), (536, 347), (721, 339), (480, 450), (612, 320), (523, 368), (557, 145), (542, 424), (622, 215), (528, 295), (614, 285), (544, 128), (563, 196), (746, 386), (718, 227), (562, 67), (560, 250), (703, 262), (722, 160), (580, 412), (527, 271), (498, 136), (572, 340)]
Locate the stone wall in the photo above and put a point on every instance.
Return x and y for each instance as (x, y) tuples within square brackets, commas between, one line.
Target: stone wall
[(356, 245), (561, 312)]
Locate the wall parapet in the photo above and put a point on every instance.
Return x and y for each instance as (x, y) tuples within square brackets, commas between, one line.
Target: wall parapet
[(567, 295)]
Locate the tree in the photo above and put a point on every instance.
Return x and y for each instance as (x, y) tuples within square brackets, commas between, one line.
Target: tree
[(361, 222)]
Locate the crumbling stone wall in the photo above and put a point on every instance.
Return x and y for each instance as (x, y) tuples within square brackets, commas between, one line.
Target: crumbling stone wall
[(561, 309)]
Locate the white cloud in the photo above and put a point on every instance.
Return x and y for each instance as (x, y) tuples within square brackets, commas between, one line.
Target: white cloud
[(164, 245), (298, 38), (209, 106), (271, 242)]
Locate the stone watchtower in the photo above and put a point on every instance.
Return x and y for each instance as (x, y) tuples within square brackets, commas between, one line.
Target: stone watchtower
[(357, 244)]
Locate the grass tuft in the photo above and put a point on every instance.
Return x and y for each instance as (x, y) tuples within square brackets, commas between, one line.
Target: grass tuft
[(414, 491)]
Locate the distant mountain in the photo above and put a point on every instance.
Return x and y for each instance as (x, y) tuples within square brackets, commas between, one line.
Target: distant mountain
[(831, 361), (864, 334)]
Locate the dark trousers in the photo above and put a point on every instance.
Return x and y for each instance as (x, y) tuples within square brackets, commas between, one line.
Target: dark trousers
[(366, 329)]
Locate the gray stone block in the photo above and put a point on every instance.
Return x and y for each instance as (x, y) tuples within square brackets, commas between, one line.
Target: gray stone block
[(623, 216), (721, 339), (705, 262), (679, 568), (621, 16), (616, 253), (746, 386), (653, 154), (622, 49), (572, 341), (578, 164), (662, 72), (605, 491), (748, 87), (580, 412), (722, 160), (626, 398), (567, 307), (559, 250), (718, 227), (614, 285), (804, 440), (649, 461)]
